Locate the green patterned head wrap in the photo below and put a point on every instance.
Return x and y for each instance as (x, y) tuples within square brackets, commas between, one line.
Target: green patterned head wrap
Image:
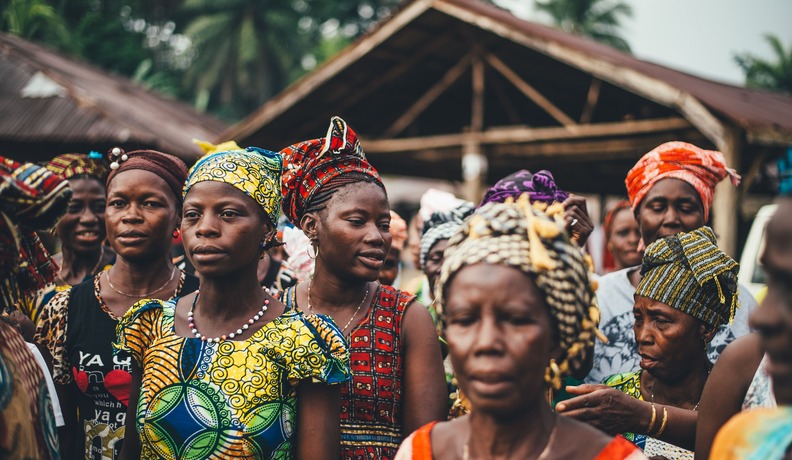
[(254, 171), (688, 272), (531, 238)]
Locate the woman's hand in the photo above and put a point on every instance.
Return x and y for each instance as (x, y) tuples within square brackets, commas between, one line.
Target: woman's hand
[(576, 211), (606, 408)]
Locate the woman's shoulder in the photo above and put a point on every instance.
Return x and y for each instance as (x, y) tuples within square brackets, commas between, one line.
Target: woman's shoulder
[(580, 440), (148, 310)]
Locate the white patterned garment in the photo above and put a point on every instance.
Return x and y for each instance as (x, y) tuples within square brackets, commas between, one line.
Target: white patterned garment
[(760, 392), (620, 354)]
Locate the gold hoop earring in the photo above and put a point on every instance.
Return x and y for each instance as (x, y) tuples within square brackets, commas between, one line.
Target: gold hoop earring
[(316, 252)]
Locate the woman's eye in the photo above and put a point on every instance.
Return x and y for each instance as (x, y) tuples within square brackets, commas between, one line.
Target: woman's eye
[(190, 215), (116, 204), (228, 214)]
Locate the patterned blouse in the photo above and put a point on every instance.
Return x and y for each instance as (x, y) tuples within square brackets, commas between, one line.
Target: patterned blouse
[(630, 383), (233, 399), (371, 402)]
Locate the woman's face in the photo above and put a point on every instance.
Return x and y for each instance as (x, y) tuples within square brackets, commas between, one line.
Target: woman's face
[(82, 228), (671, 206), (222, 229), (390, 269), (499, 337), (773, 319), (665, 338), (434, 262), (623, 239), (141, 215), (353, 231)]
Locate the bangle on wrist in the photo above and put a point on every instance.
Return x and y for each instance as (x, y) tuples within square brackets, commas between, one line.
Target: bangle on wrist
[(652, 421), (662, 425)]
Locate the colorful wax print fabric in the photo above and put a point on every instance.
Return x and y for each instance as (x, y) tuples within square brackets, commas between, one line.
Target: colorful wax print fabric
[(27, 423), (79, 330), (233, 399), (630, 384), (371, 402), (761, 434)]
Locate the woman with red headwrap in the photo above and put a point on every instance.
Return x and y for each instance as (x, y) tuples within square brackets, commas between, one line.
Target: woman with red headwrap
[(337, 198), (78, 326)]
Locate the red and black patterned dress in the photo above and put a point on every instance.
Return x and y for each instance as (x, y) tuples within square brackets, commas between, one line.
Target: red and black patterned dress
[(371, 403)]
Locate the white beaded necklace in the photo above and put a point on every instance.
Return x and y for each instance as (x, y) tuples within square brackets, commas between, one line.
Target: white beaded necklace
[(230, 336)]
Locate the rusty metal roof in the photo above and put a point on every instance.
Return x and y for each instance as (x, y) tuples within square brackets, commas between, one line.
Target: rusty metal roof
[(51, 104)]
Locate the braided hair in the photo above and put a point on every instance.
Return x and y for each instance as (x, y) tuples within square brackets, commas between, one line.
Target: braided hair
[(531, 238)]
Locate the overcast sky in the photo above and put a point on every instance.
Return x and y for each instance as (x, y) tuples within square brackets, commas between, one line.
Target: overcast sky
[(697, 36)]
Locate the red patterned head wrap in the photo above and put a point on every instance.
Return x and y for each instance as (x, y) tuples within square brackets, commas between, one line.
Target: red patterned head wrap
[(702, 169), (70, 165), (170, 168), (311, 165)]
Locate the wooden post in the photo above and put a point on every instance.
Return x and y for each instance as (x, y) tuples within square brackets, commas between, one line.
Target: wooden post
[(474, 163), (725, 205)]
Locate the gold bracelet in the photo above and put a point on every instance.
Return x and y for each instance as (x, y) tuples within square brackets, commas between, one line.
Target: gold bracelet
[(652, 422), (662, 425)]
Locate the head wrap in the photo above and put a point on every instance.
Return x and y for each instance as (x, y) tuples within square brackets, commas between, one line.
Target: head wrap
[(69, 165), (540, 187), (254, 171), (442, 225), (437, 200), (311, 165), (170, 168), (700, 168), (31, 198), (398, 230), (521, 236), (688, 272)]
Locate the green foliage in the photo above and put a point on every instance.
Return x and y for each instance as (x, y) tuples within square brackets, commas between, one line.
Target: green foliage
[(35, 20), (596, 19), (774, 75)]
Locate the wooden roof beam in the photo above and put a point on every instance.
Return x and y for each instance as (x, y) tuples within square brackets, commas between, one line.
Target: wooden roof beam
[(529, 91), (524, 134), (429, 96), (591, 100)]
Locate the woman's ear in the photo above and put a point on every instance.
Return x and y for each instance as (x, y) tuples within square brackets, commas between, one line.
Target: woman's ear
[(310, 226), (707, 332)]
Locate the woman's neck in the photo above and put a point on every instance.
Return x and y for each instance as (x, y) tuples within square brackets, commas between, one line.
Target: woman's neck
[(76, 266), (525, 435), (684, 392), (248, 296), (141, 276), (333, 292)]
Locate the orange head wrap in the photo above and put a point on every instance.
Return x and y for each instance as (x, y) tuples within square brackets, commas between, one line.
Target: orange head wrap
[(702, 169), (398, 230)]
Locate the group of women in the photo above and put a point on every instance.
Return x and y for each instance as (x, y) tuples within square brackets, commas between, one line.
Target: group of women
[(150, 363)]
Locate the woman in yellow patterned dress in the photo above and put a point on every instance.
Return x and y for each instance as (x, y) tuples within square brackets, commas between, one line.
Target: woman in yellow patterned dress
[(229, 372)]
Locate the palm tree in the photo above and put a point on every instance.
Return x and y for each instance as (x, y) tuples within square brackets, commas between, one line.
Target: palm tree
[(596, 19), (761, 73), (245, 50), (35, 20)]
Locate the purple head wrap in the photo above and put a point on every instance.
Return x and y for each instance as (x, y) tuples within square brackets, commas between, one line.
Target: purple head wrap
[(539, 187)]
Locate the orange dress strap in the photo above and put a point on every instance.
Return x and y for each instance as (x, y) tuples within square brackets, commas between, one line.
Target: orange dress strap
[(620, 449), (422, 442)]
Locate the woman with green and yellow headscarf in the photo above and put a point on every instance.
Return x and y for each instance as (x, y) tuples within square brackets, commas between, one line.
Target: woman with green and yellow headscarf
[(229, 371)]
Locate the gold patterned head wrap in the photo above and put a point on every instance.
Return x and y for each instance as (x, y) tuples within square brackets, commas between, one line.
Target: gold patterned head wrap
[(254, 171), (688, 272), (531, 238)]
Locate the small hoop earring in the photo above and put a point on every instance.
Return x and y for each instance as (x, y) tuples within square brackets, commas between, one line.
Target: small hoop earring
[(176, 233), (316, 252)]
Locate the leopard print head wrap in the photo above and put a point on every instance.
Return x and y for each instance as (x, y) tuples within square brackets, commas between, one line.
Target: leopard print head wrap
[(531, 238)]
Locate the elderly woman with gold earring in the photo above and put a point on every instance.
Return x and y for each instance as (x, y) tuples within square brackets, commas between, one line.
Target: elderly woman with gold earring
[(519, 311)]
